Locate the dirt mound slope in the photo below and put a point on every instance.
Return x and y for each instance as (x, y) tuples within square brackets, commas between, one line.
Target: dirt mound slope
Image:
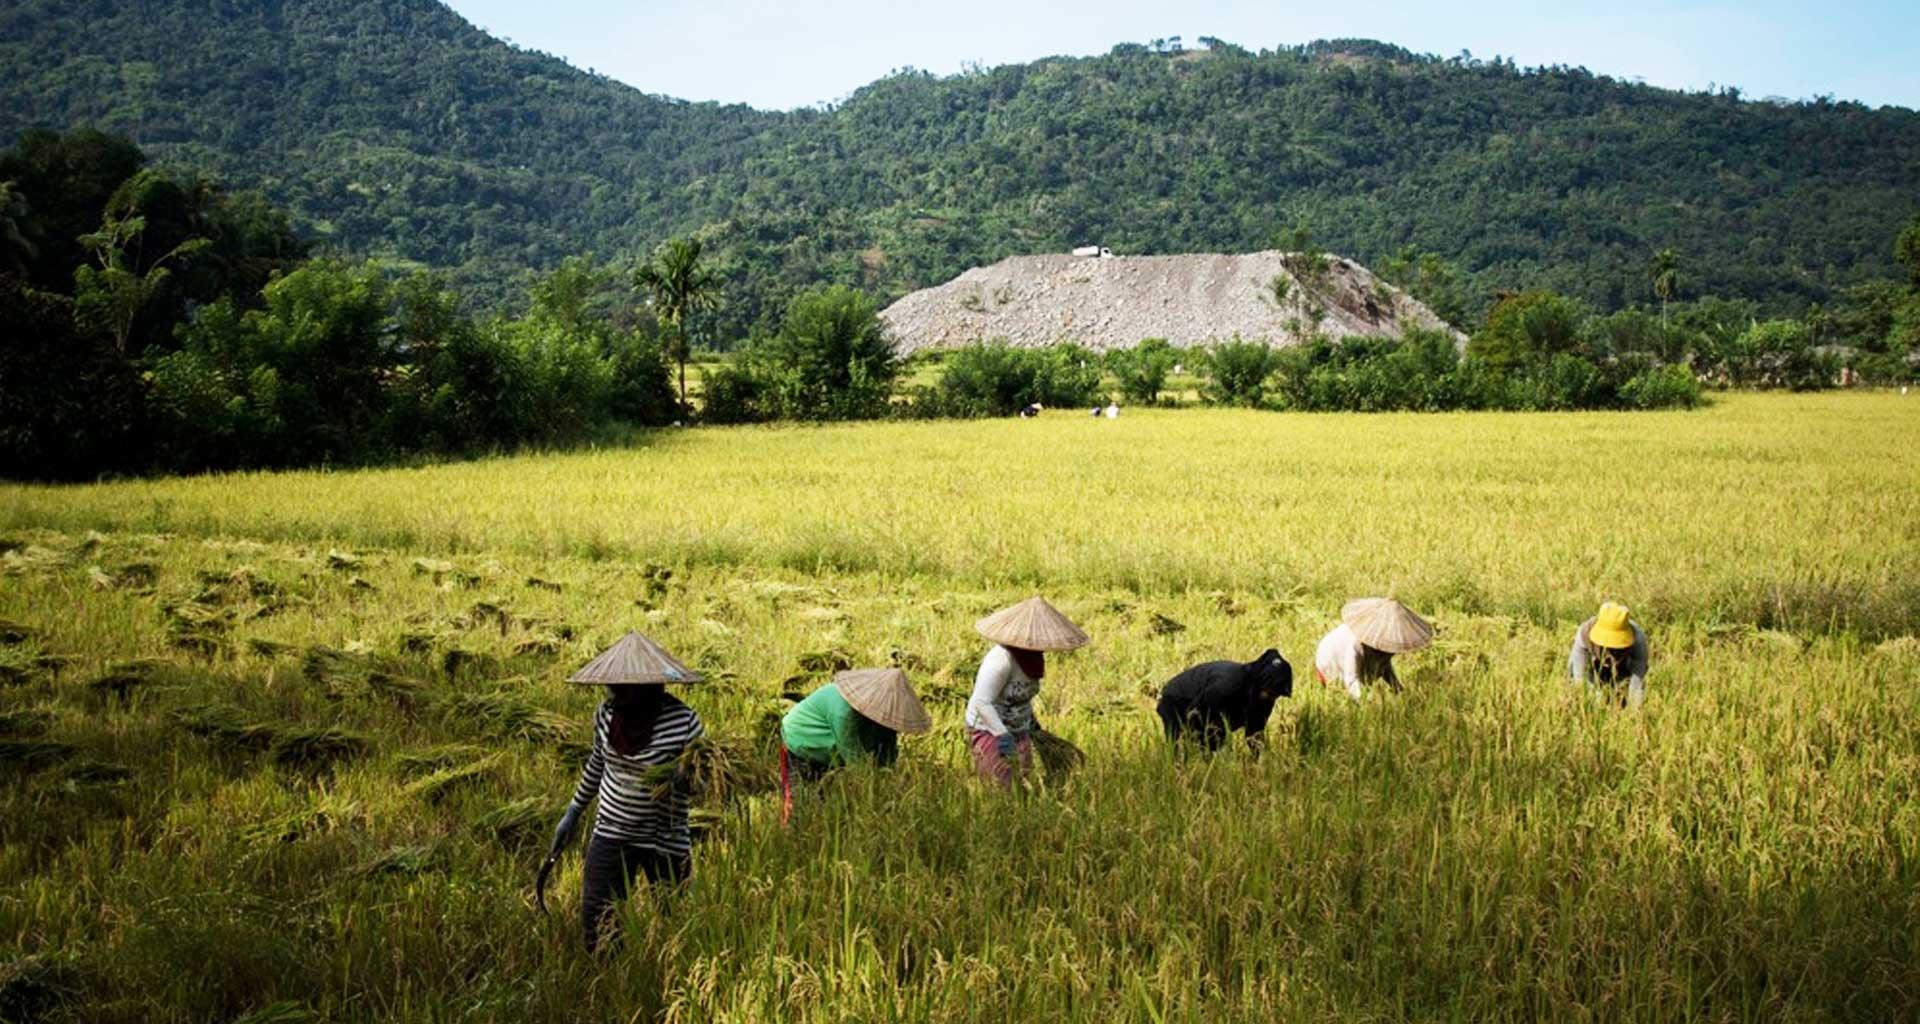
[(1115, 302)]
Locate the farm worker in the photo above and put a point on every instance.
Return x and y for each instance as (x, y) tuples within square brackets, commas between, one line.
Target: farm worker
[(1000, 713), (1030, 410), (857, 717), (1214, 698), (1608, 648), (638, 728), (1361, 648), (1113, 410)]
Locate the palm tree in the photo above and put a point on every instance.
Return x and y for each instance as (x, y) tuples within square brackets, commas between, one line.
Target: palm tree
[(1666, 280), (679, 287)]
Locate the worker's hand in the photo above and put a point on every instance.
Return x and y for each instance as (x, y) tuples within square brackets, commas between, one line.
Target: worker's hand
[(563, 832), (1006, 745)]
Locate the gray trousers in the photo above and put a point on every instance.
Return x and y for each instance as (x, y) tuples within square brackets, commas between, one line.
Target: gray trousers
[(607, 877)]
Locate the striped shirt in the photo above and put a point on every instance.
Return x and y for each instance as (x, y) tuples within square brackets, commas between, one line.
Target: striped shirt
[(629, 812)]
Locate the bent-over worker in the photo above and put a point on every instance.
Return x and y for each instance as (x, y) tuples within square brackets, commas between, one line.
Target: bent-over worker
[(1210, 700), (1000, 718), (857, 717), (1609, 648), (1360, 650)]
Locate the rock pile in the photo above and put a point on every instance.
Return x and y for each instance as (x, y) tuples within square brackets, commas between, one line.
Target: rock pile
[(1115, 302)]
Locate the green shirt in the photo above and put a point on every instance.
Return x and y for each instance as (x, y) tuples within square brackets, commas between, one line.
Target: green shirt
[(826, 729)]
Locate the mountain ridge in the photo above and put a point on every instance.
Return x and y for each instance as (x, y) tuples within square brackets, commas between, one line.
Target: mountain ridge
[(402, 131)]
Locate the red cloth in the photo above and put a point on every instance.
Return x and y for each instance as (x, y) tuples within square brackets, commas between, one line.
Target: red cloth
[(786, 787), (987, 760)]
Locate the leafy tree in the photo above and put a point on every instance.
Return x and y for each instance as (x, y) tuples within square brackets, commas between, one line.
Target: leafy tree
[(1304, 259), (65, 182), (680, 287), (1237, 372), (832, 358), (1778, 354), (1906, 251), (16, 250), (1142, 370), (1431, 279), (113, 296), (1526, 328), (71, 407), (1067, 376)]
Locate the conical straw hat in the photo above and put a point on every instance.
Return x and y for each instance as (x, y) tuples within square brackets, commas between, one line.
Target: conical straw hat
[(635, 659), (1386, 625), (883, 695), (1033, 625)]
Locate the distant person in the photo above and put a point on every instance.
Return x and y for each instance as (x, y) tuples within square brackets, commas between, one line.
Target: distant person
[(1096, 412), (1608, 649), (1210, 700), (1360, 650), (638, 728), (856, 718), (1113, 410), (1000, 722), (1030, 410)]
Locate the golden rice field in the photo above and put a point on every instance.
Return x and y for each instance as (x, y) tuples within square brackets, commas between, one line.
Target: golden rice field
[(289, 747)]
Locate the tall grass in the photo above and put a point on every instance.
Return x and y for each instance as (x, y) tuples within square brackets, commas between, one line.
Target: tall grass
[(326, 800), (1788, 510)]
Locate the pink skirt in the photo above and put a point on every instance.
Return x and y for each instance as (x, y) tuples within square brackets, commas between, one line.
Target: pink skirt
[(988, 762)]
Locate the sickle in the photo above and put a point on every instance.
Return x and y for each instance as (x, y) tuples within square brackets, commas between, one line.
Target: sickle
[(540, 880)]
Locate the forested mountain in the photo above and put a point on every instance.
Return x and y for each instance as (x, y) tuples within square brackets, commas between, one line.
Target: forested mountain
[(394, 128)]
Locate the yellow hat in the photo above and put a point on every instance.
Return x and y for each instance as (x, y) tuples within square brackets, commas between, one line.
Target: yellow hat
[(1610, 627)]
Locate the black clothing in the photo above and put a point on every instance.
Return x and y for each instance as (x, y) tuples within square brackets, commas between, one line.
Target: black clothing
[(608, 876), (1215, 698)]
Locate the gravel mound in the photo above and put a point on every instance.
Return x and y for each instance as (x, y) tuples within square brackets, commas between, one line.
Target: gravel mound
[(1115, 302)]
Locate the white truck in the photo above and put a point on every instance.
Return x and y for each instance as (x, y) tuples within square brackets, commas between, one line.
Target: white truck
[(1094, 252)]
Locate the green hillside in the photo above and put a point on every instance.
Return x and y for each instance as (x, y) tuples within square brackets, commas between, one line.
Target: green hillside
[(399, 130)]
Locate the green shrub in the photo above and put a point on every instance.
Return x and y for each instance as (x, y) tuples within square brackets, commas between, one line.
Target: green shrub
[(995, 379), (1663, 387), (641, 391), (1779, 354), (1237, 372), (733, 393), (1529, 328), (831, 360), (1142, 370), (1068, 376)]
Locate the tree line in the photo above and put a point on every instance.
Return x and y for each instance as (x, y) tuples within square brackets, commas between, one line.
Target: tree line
[(155, 323), (161, 323)]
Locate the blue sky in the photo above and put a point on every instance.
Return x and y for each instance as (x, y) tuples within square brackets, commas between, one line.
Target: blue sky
[(782, 55)]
